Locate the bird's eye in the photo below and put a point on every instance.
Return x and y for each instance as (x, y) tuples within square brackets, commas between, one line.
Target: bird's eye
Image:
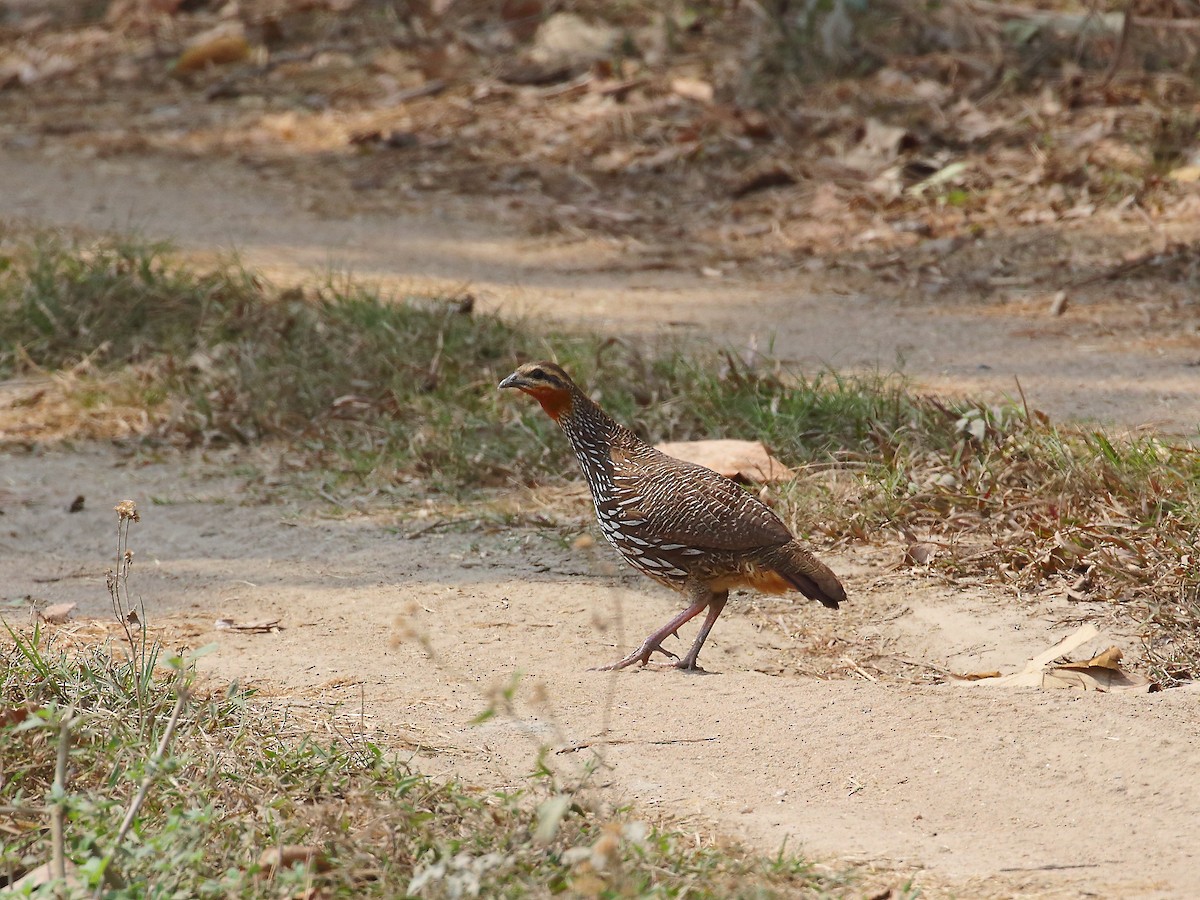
[(537, 372)]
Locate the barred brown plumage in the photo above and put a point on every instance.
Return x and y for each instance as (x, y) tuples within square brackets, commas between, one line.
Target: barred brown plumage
[(680, 523)]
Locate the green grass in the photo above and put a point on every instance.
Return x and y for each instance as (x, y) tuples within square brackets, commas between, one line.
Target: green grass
[(374, 391), (237, 779), (391, 388)]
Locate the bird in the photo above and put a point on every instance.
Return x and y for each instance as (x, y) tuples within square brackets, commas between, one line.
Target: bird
[(680, 523)]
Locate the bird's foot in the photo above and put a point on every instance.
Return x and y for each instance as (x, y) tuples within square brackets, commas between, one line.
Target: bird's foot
[(641, 655), (689, 664)]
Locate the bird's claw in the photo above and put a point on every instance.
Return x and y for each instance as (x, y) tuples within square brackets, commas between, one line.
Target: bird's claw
[(641, 655)]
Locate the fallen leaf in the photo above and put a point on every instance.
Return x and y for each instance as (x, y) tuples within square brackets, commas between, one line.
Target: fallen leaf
[(213, 50), (1101, 673), (920, 553), (522, 17), (57, 614), (1031, 675), (944, 175), (288, 855), (1095, 678), (1185, 174), (569, 39), (747, 460), (879, 147), (973, 124), (15, 715), (693, 89), (767, 177), (1109, 659), (44, 874)]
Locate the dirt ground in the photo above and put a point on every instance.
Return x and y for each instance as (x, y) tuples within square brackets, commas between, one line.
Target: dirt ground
[(837, 733), (971, 790)]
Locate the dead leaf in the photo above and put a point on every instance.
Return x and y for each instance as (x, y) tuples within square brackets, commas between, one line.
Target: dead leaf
[(44, 874), (920, 553), (760, 179), (15, 715), (1096, 678), (289, 854), (693, 89), (522, 17), (973, 124), (745, 460), (1185, 174), (211, 49), (1101, 673), (57, 614), (1031, 675), (568, 39), (879, 147), (1109, 659)]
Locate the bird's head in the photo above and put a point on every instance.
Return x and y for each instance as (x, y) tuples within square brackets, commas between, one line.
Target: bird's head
[(547, 383)]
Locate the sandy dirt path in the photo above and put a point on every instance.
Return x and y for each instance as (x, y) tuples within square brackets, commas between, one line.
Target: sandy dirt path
[(981, 792), (1073, 367)]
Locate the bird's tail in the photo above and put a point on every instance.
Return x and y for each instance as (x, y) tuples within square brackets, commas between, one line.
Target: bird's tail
[(807, 574)]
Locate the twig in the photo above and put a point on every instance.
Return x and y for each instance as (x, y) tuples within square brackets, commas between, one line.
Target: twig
[(224, 87), (428, 89), (58, 848), (438, 526), (1024, 402), (847, 661), (144, 788), (1073, 21), (1150, 258), (431, 371), (23, 810), (1122, 43), (607, 742)]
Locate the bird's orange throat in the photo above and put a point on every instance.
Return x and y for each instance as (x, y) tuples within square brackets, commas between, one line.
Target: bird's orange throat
[(555, 403)]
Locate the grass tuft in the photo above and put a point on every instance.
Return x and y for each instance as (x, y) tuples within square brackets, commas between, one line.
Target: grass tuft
[(244, 803)]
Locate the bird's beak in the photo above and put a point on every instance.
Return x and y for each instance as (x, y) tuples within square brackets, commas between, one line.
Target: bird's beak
[(512, 381)]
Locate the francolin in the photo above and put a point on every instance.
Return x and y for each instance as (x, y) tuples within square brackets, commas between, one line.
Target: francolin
[(682, 524)]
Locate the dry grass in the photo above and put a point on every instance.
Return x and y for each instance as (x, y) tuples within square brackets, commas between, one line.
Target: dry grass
[(240, 781), (244, 781), (245, 797)]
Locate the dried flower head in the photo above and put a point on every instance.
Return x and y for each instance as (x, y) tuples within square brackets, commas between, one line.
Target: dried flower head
[(127, 509)]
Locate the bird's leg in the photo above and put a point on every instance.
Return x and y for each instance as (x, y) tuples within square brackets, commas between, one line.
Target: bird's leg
[(653, 643), (716, 603)]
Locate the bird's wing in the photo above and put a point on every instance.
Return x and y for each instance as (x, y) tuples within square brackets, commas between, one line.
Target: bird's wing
[(676, 502)]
